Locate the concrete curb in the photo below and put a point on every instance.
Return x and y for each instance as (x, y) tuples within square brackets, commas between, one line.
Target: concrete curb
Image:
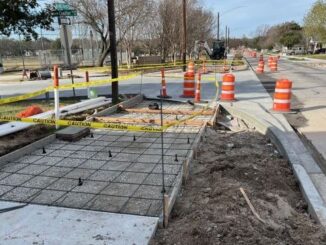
[(284, 144)]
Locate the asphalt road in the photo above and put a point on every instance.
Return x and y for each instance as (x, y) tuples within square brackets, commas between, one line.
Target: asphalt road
[(148, 84)]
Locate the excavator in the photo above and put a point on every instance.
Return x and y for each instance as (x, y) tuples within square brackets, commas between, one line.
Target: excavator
[(217, 53)]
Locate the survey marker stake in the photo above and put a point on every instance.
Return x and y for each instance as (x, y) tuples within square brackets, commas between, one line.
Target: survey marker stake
[(80, 182), (176, 158)]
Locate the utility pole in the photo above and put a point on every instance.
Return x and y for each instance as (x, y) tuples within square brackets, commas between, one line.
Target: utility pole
[(184, 35), (226, 37), (218, 26), (92, 47), (113, 52)]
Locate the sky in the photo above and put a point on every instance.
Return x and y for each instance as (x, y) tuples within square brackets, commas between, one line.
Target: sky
[(245, 16)]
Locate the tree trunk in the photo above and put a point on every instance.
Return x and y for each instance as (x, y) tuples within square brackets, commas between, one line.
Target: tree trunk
[(102, 57)]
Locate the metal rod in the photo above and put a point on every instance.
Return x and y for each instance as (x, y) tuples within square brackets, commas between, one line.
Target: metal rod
[(113, 52), (162, 152)]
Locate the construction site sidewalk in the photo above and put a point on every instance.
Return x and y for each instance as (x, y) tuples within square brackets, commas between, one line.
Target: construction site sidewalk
[(253, 105)]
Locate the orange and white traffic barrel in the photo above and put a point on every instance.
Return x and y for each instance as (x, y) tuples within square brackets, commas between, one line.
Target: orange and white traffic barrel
[(260, 68), (282, 96), (228, 87), (273, 66), (189, 82), (270, 59)]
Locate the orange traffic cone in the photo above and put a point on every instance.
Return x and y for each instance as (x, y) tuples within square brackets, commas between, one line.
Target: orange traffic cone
[(163, 93), (197, 94)]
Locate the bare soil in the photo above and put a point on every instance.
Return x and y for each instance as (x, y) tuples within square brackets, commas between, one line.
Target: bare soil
[(212, 210), (20, 139)]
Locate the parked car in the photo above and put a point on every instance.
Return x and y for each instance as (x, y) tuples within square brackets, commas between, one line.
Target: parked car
[(320, 51)]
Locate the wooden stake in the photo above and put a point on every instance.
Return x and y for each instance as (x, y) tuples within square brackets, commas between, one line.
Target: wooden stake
[(251, 206)]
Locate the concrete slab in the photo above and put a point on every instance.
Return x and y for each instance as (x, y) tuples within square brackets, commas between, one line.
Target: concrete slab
[(36, 224)]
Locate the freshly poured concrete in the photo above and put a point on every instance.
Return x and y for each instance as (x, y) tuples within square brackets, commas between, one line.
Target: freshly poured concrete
[(35, 224)]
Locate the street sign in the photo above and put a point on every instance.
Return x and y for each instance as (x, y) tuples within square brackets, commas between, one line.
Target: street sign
[(63, 9), (62, 6), (65, 13)]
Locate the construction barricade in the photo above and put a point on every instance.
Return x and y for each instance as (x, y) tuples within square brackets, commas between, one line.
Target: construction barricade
[(228, 87), (260, 68), (282, 96), (189, 81), (273, 66)]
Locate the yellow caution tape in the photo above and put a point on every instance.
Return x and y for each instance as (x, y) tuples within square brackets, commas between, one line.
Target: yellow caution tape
[(64, 87), (23, 96), (83, 124)]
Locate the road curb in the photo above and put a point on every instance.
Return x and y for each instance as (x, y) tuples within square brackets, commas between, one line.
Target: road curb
[(284, 143)]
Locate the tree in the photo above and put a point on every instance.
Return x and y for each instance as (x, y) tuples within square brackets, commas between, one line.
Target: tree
[(200, 24), (22, 17), (129, 14), (315, 22), (290, 34)]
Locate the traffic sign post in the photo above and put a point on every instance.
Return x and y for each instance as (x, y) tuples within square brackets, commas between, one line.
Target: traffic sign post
[(62, 11)]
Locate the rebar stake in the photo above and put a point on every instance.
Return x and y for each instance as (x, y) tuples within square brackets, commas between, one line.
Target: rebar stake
[(176, 158), (92, 136), (80, 182), (134, 137), (110, 154), (188, 141), (43, 150)]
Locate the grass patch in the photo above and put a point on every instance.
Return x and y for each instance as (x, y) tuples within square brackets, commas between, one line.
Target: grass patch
[(14, 108), (316, 56), (297, 59)]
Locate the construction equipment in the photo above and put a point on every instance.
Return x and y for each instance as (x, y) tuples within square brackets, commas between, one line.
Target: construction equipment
[(217, 53)]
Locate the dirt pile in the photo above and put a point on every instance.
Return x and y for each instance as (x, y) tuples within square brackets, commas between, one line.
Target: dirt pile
[(20, 139), (212, 210)]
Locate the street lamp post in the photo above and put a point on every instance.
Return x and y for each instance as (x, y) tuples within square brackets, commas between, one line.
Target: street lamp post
[(113, 52)]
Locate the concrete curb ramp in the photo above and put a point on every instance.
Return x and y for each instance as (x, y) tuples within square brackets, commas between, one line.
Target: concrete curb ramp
[(291, 147)]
